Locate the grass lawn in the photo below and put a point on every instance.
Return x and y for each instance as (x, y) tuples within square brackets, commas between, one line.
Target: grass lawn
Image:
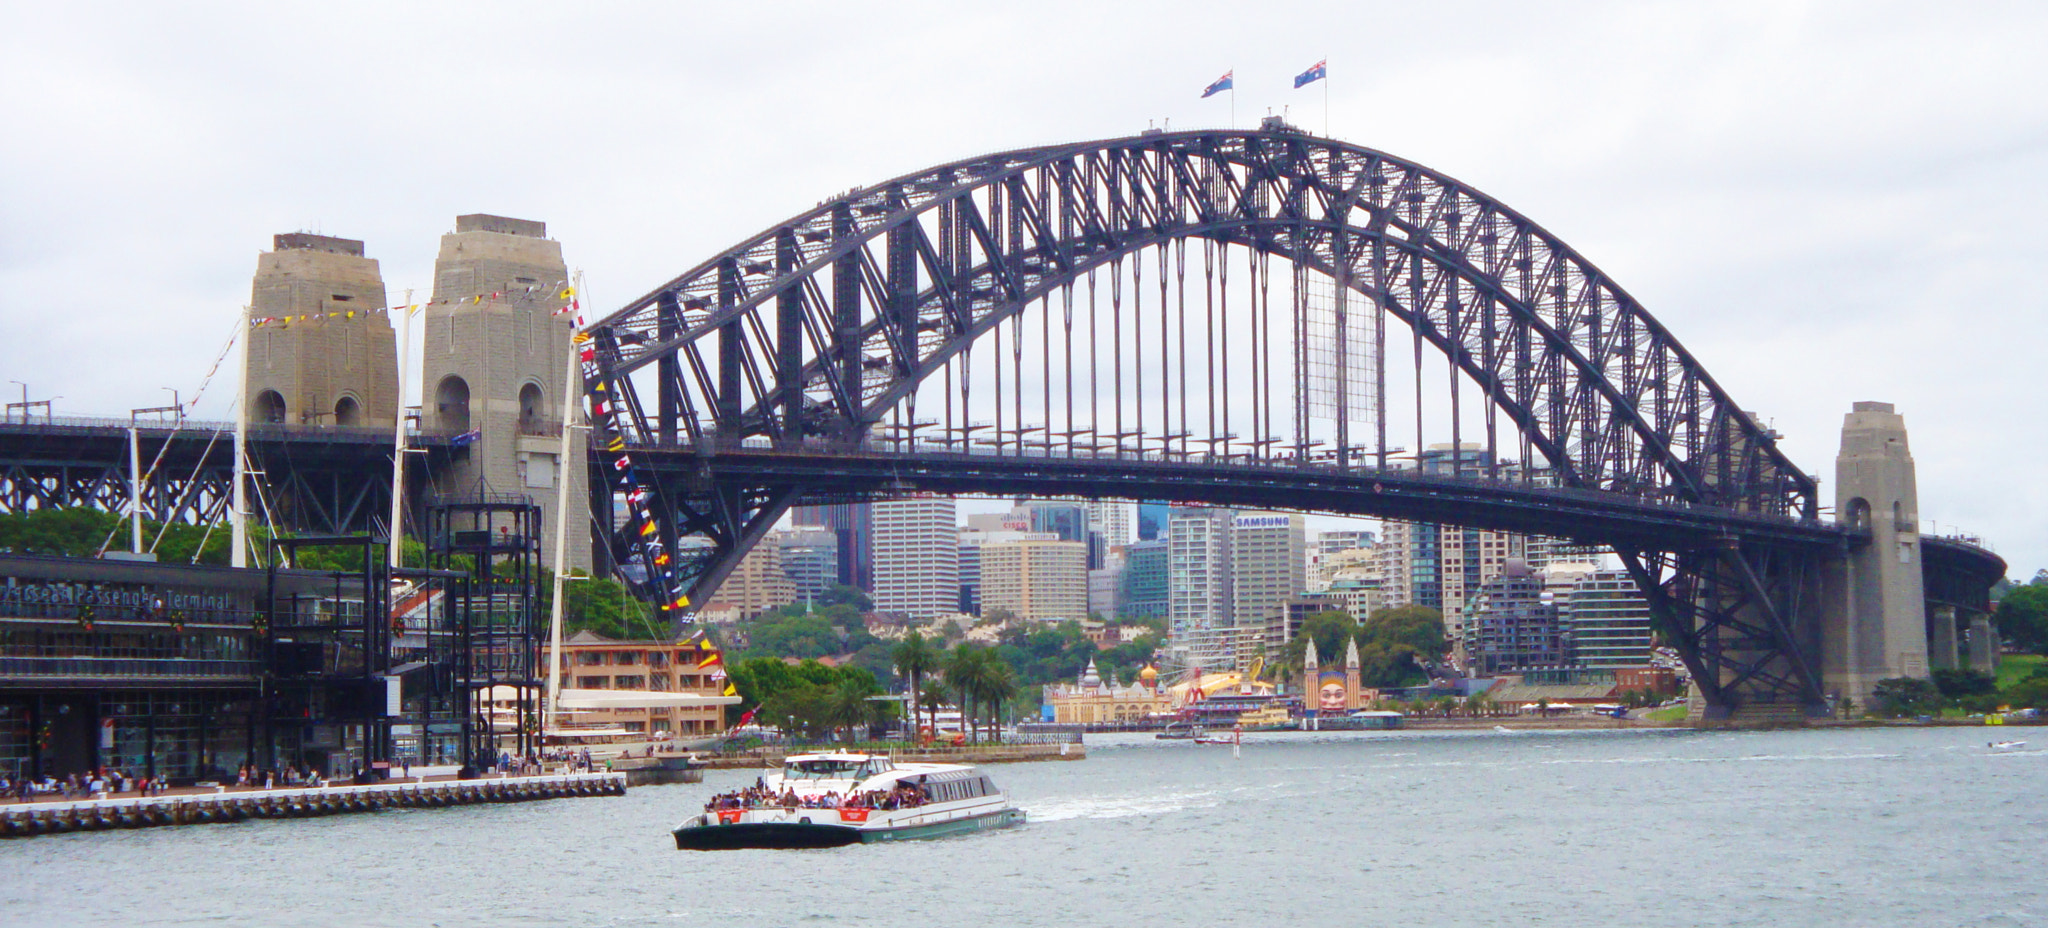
[(2012, 668), (1666, 714)]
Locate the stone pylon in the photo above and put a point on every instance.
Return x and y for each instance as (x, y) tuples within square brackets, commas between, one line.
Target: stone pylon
[(1875, 624), (495, 352), (322, 351)]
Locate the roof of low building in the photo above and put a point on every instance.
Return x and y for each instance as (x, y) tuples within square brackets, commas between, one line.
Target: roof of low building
[(1554, 692)]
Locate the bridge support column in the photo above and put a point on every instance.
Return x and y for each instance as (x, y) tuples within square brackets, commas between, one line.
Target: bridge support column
[(1875, 624), (1941, 638), (1983, 644)]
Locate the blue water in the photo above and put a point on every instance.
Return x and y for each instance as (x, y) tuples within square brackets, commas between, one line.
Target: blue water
[(1864, 827)]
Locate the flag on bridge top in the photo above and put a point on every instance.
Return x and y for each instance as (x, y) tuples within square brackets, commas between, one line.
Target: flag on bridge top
[(1222, 84), (1310, 76)]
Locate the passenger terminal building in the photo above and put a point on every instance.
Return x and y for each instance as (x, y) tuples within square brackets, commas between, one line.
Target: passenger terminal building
[(179, 671)]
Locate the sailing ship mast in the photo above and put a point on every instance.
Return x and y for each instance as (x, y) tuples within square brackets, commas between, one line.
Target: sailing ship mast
[(572, 402), (238, 506)]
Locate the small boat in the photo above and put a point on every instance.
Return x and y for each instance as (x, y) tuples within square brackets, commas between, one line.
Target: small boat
[(1503, 730), (1182, 731), (832, 800), (1235, 737), (2005, 746)]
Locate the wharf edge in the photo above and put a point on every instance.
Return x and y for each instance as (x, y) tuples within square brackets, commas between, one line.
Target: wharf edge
[(81, 815)]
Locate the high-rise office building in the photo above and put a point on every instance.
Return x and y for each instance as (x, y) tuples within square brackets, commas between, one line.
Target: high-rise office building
[(1144, 586), (1152, 520), (1111, 520), (322, 353), (1606, 621), (1198, 586), (1064, 519), (757, 584), (1039, 579), (494, 353), (1329, 552), (852, 525), (1512, 626), (810, 556), (1267, 565), (916, 557)]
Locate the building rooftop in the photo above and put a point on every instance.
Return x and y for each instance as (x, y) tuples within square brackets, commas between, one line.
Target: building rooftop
[(504, 225), (307, 241)]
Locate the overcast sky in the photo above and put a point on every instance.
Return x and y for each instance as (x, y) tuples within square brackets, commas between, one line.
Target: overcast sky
[(1825, 202)]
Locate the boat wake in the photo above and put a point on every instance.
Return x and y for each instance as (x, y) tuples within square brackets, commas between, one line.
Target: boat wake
[(1122, 806)]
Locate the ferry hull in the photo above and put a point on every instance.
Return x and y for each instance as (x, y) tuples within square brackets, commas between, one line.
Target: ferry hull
[(800, 835), (766, 835)]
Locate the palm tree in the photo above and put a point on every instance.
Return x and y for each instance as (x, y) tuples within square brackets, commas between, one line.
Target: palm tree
[(966, 673), (999, 683), (915, 659), (848, 706), (934, 698)]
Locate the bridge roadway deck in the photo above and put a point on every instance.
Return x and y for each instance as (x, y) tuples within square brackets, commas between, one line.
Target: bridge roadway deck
[(319, 477), (77, 441), (1589, 516)]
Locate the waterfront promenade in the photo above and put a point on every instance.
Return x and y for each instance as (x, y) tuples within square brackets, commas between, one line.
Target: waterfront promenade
[(219, 804)]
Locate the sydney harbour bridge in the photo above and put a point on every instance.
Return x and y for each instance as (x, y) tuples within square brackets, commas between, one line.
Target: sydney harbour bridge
[(1258, 319)]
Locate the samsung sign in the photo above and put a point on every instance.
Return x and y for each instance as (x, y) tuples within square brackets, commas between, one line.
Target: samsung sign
[(1263, 522)]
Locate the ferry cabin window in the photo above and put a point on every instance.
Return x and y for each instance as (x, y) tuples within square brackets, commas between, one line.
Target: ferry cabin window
[(819, 769)]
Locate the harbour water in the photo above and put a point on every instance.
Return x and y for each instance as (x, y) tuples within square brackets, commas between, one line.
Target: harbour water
[(1901, 827)]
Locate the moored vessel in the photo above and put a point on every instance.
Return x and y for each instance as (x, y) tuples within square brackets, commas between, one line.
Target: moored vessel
[(836, 799)]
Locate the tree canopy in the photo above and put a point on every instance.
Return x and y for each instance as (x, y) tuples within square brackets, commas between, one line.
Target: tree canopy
[(807, 698), (2022, 616), (1394, 645)]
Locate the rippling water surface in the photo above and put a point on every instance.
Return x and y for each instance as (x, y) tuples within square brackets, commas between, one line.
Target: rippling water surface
[(1866, 827)]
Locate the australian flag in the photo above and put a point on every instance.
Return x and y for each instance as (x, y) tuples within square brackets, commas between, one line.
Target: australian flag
[(1222, 84), (1310, 76)]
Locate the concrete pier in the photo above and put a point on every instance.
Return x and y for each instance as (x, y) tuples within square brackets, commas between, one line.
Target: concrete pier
[(28, 819)]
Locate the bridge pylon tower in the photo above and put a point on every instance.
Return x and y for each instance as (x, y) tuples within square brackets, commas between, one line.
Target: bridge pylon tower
[(493, 352)]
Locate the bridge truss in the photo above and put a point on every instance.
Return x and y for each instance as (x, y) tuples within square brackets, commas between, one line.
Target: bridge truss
[(1174, 305)]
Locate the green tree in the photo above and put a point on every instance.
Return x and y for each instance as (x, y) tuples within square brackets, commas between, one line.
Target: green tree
[(1958, 682), (839, 594), (998, 686), (848, 706), (1330, 629), (1419, 628), (972, 674), (914, 660), (2022, 616), (1904, 696), (604, 606), (803, 636), (2030, 692)]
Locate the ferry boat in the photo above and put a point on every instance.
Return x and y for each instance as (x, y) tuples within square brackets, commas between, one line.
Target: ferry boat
[(831, 800)]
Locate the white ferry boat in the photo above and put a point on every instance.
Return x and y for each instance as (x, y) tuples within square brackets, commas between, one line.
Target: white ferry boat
[(829, 800)]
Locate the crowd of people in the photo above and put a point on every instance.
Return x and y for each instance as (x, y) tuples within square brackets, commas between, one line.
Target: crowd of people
[(762, 796), (100, 783), (104, 782)]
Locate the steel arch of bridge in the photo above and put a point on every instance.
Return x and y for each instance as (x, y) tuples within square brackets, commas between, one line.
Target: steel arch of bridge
[(804, 337)]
